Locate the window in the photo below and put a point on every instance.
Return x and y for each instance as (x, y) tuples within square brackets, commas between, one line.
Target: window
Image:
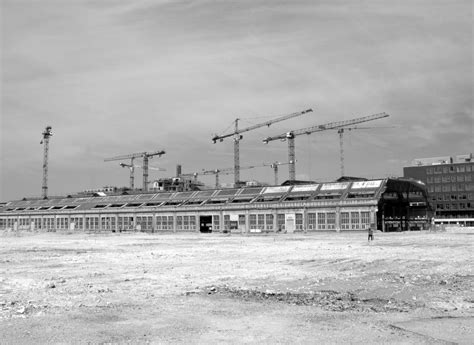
[(299, 221), (445, 170), (453, 178), (355, 220), (321, 221), (331, 220), (311, 221), (242, 219), (78, 222), (71, 207), (164, 222), (460, 168), (269, 221), (253, 221), (446, 188), (460, 178), (454, 197), (215, 223), (429, 171), (345, 221), (445, 179), (431, 189), (437, 179), (429, 179), (468, 168), (453, 188), (261, 221), (364, 219), (281, 221), (468, 178), (438, 170), (179, 222)]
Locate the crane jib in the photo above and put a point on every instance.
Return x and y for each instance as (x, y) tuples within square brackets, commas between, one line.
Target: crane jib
[(327, 126), (266, 123)]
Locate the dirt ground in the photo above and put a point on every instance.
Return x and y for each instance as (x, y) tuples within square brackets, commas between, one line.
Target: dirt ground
[(406, 288)]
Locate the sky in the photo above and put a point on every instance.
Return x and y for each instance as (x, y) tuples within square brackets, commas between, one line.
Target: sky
[(119, 77)]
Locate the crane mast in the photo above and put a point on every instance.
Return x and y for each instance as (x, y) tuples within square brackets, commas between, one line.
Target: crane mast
[(274, 166), (131, 166), (237, 138), (290, 136), (45, 141), (236, 134), (341, 132)]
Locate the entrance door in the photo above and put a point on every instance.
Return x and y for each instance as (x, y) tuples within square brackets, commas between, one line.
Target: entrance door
[(205, 223)]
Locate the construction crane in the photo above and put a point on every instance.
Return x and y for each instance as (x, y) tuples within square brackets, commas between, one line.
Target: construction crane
[(236, 134), (45, 141), (290, 136), (274, 166), (146, 156), (226, 171), (341, 131), (132, 171)]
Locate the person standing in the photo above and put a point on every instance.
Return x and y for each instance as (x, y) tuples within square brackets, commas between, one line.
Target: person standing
[(371, 233)]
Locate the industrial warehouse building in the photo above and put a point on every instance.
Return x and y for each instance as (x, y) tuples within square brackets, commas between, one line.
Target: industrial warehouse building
[(391, 204)]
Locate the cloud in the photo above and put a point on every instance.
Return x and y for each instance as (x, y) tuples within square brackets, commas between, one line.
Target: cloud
[(121, 77)]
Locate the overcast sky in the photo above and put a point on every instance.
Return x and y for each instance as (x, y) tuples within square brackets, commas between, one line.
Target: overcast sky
[(117, 77)]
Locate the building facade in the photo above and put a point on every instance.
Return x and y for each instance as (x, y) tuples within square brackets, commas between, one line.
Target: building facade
[(450, 186), (390, 204)]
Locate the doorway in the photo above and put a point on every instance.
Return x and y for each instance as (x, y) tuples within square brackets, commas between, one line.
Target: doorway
[(205, 224)]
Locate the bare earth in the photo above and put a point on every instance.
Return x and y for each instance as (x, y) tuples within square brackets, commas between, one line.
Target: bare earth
[(409, 288)]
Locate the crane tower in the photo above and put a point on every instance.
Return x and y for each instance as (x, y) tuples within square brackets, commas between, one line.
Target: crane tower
[(45, 141)]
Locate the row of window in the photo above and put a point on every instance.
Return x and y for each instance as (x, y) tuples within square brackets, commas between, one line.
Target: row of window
[(449, 178), (454, 206), (449, 197), (194, 202), (459, 187), (315, 221), (446, 169)]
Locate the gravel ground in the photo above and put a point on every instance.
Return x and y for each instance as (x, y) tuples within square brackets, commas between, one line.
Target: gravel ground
[(409, 288)]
